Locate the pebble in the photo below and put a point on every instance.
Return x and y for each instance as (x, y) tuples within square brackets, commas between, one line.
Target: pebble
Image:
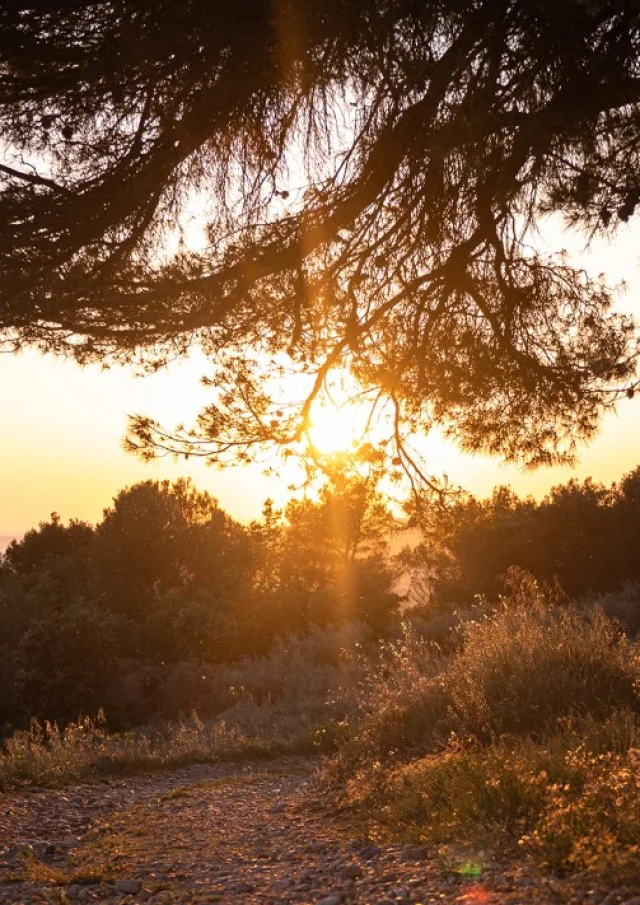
[(414, 853), (191, 835), (351, 872), (369, 852), (241, 886), (41, 850), (128, 887)]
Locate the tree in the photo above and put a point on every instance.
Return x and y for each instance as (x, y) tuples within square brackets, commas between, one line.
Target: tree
[(370, 175), (325, 560), (66, 663), (45, 571), (51, 542), (159, 537), (583, 536)]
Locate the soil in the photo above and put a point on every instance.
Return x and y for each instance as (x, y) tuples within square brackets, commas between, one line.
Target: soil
[(242, 833)]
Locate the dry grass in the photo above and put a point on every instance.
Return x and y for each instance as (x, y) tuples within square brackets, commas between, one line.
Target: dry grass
[(48, 755), (516, 673), (529, 732), (562, 799), (285, 702)]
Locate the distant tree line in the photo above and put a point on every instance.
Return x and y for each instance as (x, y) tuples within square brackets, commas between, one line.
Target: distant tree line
[(136, 614), (582, 537), (129, 614)]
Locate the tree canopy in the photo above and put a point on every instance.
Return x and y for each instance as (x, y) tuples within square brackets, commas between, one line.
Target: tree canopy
[(135, 613), (364, 180), (581, 537)]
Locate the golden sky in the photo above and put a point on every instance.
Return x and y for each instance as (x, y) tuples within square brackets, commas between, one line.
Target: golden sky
[(62, 427)]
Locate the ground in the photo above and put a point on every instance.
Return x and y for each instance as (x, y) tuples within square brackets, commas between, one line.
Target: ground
[(245, 833)]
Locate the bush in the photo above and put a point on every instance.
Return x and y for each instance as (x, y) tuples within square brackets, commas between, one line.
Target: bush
[(66, 662), (518, 672), (592, 822), (623, 605), (399, 707), (50, 756), (573, 798), (300, 685)]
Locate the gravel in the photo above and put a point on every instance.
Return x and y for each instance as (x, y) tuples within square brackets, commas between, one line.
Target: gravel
[(240, 834)]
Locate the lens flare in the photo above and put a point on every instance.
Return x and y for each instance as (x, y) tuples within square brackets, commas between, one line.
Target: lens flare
[(333, 430)]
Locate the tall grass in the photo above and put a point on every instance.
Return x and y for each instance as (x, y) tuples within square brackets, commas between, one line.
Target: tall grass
[(517, 672), (284, 702), (561, 798), (529, 731), (49, 755)]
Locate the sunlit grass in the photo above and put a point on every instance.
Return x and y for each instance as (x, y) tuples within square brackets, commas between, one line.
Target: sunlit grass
[(49, 755), (525, 738), (571, 806)]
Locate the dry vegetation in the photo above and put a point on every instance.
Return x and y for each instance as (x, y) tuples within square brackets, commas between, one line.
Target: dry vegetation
[(284, 702), (528, 734), (522, 732)]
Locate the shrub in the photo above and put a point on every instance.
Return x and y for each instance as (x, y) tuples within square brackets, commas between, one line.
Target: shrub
[(65, 663), (50, 756), (623, 605), (518, 672), (572, 798), (399, 707), (592, 822), (302, 682)]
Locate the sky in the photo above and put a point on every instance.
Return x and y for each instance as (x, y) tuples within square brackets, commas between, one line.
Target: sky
[(62, 427)]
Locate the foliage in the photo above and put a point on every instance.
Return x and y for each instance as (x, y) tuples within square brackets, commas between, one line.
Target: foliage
[(139, 614), (566, 799), (528, 733), (160, 537), (285, 702), (583, 536), (198, 627), (64, 664), (622, 605), (369, 174), (47, 755), (521, 671), (594, 824), (325, 561), (51, 542), (516, 673)]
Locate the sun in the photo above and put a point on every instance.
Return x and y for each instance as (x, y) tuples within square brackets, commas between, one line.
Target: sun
[(334, 429)]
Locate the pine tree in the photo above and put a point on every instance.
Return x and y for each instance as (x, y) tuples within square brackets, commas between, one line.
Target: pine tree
[(368, 172)]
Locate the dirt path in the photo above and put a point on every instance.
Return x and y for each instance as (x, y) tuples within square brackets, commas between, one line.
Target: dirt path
[(233, 833)]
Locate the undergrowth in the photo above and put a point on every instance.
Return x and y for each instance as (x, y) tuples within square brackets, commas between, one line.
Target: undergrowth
[(523, 732), (529, 733), (48, 755), (283, 702)]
